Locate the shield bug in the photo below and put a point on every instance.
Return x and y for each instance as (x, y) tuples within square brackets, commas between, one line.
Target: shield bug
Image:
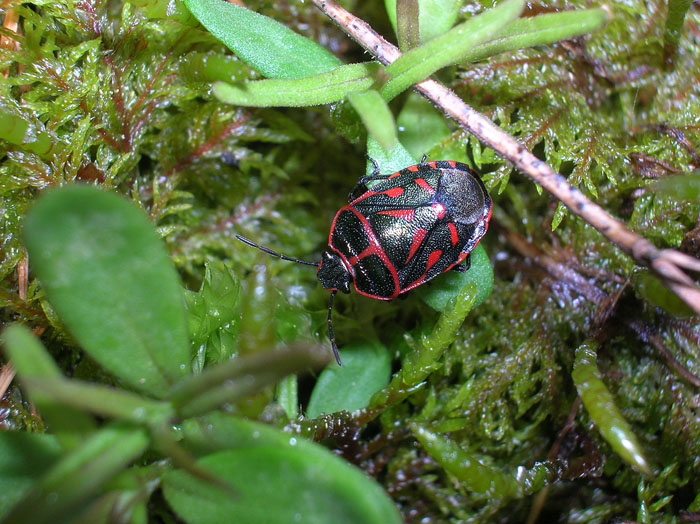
[(406, 229)]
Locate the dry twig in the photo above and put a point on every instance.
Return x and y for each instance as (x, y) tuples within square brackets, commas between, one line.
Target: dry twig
[(667, 263)]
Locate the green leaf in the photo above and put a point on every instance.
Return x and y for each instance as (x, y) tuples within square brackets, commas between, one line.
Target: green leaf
[(448, 285), (419, 63), (213, 314), (389, 162), (426, 353), (435, 16), (170, 9), (276, 478), (266, 45), (652, 290), (74, 480), (32, 362), (680, 187), (376, 116), (288, 396), (467, 467), (322, 88), (540, 30), (366, 369), (601, 407), (24, 457), (407, 24), (234, 379), (675, 16), (210, 67), (108, 276), (421, 126), (16, 130), (104, 401)]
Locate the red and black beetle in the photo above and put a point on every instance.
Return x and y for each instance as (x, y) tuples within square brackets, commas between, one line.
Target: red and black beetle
[(408, 228)]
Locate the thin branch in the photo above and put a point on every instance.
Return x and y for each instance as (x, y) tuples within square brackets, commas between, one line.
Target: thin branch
[(668, 264)]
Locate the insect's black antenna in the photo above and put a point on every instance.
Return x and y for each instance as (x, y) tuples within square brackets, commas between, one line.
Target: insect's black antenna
[(274, 253), (331, 336)]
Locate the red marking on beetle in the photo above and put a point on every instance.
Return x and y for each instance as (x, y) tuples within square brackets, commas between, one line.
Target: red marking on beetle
[(452, 163), (432, 164), (404, 214), (424, 185), (367, 252), (374, 248), (454, 237), (398, 173), (412, 169), (394, 192), (416, 243), (359, 199), (433, 258), (439, 210)]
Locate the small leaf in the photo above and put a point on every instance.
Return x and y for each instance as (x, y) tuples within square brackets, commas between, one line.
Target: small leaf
[(74, 480), (108, 276), (601, 407), (210, 67), (322, 88), (435, 17), (465, 466), (390, 162), (276, 478), (421, 126), (680, 187), (419, 63), (653, 291), (17, 131), (266, 45), (366, 369), (288, 396), (448, 285), (103, 401), (24, 457), (675, 16), (33, 362), (540, 30), (407, 25), (376, 116), (213, 313), (234, 379)]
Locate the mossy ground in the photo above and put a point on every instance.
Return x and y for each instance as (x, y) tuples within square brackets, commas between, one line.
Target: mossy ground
[(121, 100)]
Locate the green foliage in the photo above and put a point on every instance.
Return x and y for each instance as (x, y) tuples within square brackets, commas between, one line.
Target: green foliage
[(473, 421), (366, 369), (601, 407), (125, 306), (255, 459)]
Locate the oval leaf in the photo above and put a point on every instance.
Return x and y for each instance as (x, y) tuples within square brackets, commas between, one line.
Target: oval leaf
[(600, 405), (540, 30), (323, 88), (108, 276), (376, 116), (263, 43), (274, 478), (366, 369), (447, 286)]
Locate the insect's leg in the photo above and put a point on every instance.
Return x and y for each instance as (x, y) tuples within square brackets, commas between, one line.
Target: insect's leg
[(422, 160), (461, 268), (361, 186), (331, 336)]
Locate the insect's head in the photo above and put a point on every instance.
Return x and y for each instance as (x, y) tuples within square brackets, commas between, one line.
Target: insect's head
[(332, 273)]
